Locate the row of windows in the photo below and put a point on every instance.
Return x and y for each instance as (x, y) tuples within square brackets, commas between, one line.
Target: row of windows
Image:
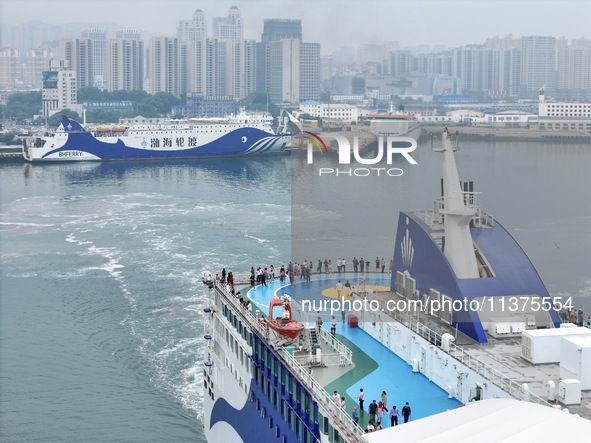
[(285, 393)]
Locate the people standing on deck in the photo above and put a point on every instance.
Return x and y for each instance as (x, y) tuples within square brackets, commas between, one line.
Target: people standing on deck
[(259, 273), (343, 316), (319, 267), (318, 323), (339, 288), (373, 410), (406, 412), (339, 265), (290, 269), (296, 268), (383, 264), (377, 264), (326, 266), (309, 273), (330, 266), (391, 263), (343, 403), (355, 415), (380, 413), (271, 273), (347, 291), (231, 279), (361, 264), (252, 277), (333, 326), (394, 414), (336, 398), (355, 264), (224, 274), (344, 265), (367, 265), (385, 400), (361, 398), (282, 274), (264, 276)]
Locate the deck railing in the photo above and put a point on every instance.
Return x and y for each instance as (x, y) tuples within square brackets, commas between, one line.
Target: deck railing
[(339, 418), (508, 385), (345, 354)]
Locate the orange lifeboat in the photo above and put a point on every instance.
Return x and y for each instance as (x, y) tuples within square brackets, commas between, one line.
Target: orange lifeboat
[(118, 128), (284, 324), (103, 129)]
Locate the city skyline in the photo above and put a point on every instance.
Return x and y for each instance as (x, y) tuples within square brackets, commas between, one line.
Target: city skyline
[(422, 22)]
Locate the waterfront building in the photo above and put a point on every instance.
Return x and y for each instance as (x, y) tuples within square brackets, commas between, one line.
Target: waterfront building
[(562, 109), (330, 111), (125, 61), (199, 105)]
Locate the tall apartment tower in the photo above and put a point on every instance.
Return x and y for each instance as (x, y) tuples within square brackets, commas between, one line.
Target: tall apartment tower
[(98, 37), (164, 65), (125, 61), (273, 30), (538, 65), (193, 29), (59, 88), (222, 65), (228, 27), (574, 70), (79, 55)]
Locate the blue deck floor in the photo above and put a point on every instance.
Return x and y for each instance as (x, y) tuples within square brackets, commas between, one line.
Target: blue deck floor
[(393, 374)]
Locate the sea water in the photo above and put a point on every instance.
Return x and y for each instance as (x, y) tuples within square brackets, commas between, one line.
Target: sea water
[(100, 290)]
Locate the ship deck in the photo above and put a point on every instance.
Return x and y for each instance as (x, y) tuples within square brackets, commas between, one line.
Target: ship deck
[(502, 354), (374, 368)]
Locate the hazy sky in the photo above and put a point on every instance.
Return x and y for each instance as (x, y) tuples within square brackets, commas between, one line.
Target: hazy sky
[(333, 23)]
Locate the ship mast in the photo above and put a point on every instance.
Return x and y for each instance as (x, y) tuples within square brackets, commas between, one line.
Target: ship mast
[(459, 248)]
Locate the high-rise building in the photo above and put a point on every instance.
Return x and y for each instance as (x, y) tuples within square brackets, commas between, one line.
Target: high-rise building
[(309, 71), (79, 55), (164, 65), (228, 27), (36, 62), (125, 61), (9, 67), (538, 65), (573, 79), (59, 88), (286, 67), (190, 30), (98, 37), (284, 70), (273, 30), (223, 65)]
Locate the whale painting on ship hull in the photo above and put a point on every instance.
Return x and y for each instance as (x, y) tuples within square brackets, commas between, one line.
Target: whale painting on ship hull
[(76, 144)]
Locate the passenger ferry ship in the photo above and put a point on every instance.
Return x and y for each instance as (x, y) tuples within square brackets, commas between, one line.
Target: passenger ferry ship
[(242, 134), (263, 384)]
